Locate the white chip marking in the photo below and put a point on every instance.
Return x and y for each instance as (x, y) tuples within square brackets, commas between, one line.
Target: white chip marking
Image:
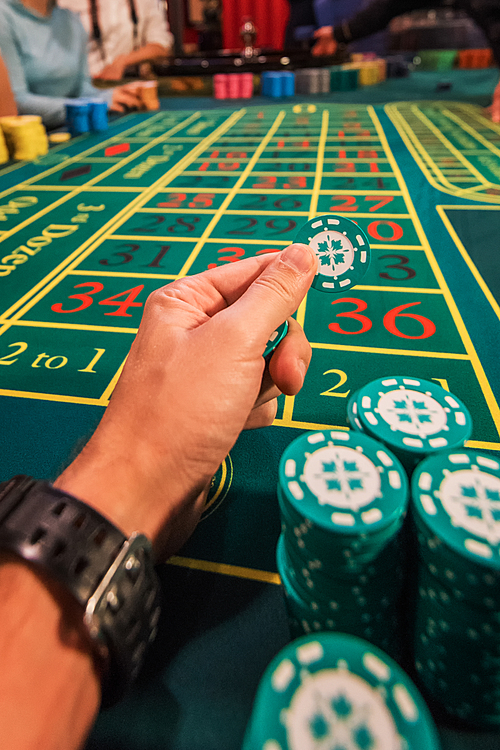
[(460, 418), (438, 442), (333, 221), (407, 381), (413, 442), (363, 256), (271, 745), (395, 480), (340, 436), (328, 285), (451, 401), (346, 282), (360, 240), (366, 402), (478, 548), (425, 481), (405, 703), (371, 418), (273, 336), (283, 675), (376, 666), (316, 224), (385, 458), (316, 437), (296, 490), (343, 519), (428, 505), (290, 468), (389, 382), (371, 516), (488, 463), (459, 458), (310, 652)]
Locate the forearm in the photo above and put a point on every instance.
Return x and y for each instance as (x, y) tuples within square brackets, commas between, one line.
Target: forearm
[(7, 102), (143, 54), (49, 692), (375, 17), (52, 109)]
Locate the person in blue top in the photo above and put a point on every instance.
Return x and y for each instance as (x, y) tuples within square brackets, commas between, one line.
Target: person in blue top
[(45, 50)]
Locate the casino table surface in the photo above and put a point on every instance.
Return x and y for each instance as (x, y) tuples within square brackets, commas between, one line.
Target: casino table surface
[(88, 231)]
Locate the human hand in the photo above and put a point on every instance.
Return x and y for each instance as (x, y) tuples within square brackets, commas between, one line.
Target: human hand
[(114, 71), (326, 44), (125, 97), (194, 378)]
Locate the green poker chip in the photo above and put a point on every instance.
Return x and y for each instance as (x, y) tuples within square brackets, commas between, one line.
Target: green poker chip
[(343, 482), (337, 691), (278, 336), (413, 415), (342, 249), (457, 496)]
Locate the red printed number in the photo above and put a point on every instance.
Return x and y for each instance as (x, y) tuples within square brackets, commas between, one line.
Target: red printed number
[(389, 320), (122, 305)]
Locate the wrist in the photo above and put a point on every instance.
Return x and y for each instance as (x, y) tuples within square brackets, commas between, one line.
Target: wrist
[(136, 488)]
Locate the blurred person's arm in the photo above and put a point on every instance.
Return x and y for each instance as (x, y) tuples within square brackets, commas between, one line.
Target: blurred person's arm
[(7, 101), (156, 42)]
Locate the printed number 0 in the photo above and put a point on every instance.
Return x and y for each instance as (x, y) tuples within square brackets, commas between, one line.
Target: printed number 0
[(342, 380)]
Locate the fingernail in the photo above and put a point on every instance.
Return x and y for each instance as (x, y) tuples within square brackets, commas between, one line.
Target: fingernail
[(299, 257), (303, 368)]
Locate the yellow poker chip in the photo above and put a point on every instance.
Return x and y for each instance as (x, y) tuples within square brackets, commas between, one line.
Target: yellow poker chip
[(59, 137)]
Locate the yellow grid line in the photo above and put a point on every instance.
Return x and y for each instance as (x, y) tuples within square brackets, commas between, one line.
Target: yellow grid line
[(380, 350), (77, 189), (464, 334), (194, 253), (224, 569), (301, 312), (421, 153), (55, 276), (465, 255)]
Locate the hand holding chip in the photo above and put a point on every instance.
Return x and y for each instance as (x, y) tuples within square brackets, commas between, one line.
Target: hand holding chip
[(195, 377)]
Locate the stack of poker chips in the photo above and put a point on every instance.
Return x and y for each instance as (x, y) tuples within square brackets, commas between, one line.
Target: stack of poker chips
[(233, 85), (456, 514), (25, 137), (312, 81), (411, 416), (475, 58), (4, 151), (277, 84), (343, 498), (335, 691), (85, 115), (343, 78)]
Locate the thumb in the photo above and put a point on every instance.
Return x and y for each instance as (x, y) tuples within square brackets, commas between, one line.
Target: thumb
[(276, 293)]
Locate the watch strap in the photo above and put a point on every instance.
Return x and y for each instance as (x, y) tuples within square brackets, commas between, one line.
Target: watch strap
[(111, 577)]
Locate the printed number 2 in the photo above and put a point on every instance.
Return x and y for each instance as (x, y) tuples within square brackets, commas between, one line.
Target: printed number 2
[(342, 380), (9, 359)]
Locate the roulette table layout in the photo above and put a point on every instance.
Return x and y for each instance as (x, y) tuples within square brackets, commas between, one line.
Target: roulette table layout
[(88, 231)]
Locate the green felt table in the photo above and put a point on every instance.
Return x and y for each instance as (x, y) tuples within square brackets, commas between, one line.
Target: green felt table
[(89, 230)]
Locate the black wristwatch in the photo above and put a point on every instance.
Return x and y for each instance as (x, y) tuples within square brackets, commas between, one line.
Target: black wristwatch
[(110, 576)]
